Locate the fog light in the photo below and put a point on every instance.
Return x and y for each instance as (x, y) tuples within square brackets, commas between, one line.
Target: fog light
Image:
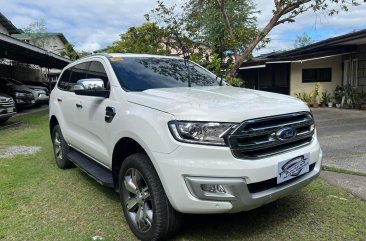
[(213, 188)]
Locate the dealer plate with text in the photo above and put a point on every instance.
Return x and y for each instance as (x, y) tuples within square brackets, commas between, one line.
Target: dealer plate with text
[(289, 169)]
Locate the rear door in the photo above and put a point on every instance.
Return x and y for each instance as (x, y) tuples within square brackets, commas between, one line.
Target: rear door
[(68, 102)]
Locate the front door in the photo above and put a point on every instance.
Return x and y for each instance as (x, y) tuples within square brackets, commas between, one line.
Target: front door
[(92, 113)]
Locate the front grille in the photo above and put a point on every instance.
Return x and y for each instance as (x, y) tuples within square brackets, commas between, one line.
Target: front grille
[(271, 183), (6, 102), (257, 138)]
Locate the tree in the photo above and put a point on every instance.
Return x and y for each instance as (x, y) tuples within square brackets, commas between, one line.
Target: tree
[(69, 52), (37, 33), (302, 40), (206, 25), (147, 38), (285, 11), (83, 53)]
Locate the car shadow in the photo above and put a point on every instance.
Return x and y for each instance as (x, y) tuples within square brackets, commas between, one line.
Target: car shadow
[(250, 225)]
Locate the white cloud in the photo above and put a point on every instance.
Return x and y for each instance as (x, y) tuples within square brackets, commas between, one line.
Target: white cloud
[(88, 24)]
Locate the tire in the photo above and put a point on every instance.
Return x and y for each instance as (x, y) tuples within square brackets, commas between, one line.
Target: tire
[(60, 149), (2, 121), (38, 104), (148, 199)]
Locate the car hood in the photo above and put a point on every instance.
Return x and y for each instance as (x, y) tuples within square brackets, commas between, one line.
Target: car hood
[(217, 103)]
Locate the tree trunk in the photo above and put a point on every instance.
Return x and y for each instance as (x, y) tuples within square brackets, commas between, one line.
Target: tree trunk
[(243, 56)]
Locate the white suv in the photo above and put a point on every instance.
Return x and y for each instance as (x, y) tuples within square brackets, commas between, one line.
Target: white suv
[(172, 139)]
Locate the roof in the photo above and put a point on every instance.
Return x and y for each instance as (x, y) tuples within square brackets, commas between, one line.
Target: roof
[(27, 36), (342, 44), (9, 25), (15, 49)]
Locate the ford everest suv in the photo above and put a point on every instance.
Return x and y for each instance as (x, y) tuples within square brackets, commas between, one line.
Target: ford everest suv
[(171, 139)]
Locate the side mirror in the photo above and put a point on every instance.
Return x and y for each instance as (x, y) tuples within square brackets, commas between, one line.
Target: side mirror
[(91, 87)]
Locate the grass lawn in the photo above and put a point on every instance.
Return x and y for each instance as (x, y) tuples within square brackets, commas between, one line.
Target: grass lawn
[(40, 202)]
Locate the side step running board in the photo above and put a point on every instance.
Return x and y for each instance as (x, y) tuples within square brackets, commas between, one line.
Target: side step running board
[(90, 167)]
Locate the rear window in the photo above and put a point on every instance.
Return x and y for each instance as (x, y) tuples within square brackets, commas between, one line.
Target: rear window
[(142, 73)]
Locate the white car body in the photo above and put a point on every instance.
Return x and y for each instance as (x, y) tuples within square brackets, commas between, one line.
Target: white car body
[(144, 116)]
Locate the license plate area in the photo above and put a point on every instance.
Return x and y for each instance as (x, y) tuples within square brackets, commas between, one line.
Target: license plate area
[(292, 168), (9, 110)]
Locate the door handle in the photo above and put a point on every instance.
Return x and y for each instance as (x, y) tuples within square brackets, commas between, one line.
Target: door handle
[(59, 99), (79, 106), (110, 112)]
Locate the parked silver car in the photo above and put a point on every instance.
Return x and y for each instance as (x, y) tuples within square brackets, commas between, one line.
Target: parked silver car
[(39, 95)]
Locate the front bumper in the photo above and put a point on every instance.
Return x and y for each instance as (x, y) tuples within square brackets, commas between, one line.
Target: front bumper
[(203, 164), (4, 115)]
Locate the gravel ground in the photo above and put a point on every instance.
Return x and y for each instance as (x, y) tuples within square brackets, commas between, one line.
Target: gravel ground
[(19, 150), (342, 135)]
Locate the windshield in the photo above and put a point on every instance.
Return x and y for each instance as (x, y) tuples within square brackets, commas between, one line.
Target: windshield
[(16, 82), (142, 73)]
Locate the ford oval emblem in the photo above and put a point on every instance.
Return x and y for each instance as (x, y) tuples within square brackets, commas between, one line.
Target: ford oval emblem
[(286, 133)]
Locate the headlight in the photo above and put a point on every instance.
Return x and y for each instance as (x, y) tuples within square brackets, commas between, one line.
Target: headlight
[(18, 94), (209, 133)]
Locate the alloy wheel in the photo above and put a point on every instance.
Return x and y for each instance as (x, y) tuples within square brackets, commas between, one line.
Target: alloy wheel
[(57, 145), (137, 200)]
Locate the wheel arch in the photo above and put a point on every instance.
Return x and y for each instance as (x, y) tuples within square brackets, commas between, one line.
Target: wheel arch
[(53, 123), (125, 147)]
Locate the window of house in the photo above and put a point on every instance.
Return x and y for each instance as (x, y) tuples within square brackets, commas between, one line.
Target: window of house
[(350, 68), (317, 75)]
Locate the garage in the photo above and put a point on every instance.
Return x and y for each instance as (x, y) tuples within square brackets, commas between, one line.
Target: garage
[(24, 75)]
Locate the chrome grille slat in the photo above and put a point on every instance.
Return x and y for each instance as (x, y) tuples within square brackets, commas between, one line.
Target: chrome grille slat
[(7, 103), (257, 138)]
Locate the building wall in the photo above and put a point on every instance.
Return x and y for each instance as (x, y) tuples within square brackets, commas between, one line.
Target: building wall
[(296, 84), (3, 30), (50, 43)]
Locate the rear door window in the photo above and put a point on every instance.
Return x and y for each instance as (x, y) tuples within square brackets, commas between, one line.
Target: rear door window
[(78, 72), (64, 79)]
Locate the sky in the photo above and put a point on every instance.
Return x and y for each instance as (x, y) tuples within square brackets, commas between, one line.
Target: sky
[(94, 24)]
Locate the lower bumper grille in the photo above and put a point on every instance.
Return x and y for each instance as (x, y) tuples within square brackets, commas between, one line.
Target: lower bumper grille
[(268, 184)]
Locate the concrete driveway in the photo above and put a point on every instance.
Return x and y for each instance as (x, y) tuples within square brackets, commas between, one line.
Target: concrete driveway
[(342, 135)]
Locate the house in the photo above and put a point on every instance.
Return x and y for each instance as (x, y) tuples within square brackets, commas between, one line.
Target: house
[(52, 42), (333, 62), (7, 27), (24, 61)]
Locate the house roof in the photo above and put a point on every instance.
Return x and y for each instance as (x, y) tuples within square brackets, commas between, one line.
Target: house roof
[(27, 36), (9, 25), (342, 44)]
